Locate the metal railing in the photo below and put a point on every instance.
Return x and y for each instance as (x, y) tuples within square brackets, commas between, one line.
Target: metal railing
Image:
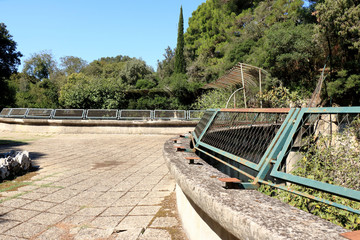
[(111, 114), (136, 114), (69, 114), (170, 114), (101, 114), (39, 113), (276, 146)]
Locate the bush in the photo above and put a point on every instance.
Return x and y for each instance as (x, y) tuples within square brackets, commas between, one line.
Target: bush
[(338, 164)]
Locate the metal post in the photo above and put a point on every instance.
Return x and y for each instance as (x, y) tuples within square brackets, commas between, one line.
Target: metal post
[(260, 88), (234, 100), (243, 83), (231, 96)]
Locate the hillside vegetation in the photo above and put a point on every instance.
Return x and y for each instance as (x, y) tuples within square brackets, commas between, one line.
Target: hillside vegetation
[(292, 42)]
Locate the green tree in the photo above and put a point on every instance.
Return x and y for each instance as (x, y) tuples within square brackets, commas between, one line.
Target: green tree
[(40, 66), (339, 21), (339, 25), (180, 64), (134, 70), (83, 91), (71, 64), (345, 88), (166, 67), (9, 61), (107, 67), (291, 54), (184, 92), (41, 94)]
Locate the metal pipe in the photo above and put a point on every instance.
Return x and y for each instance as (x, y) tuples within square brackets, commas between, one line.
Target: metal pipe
[(231, 96)]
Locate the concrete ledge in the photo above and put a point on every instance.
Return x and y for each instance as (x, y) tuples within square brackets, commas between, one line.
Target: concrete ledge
[(236, 213), (95, 126)]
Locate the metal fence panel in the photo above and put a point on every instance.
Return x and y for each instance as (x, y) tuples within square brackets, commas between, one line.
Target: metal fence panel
[(331, 137), (102, 114), (170, 114), (243, 136), (203, 122), (195, 114), (5, 112), (269, 144), (39, 113), (18, 112), (136, 114), (69, 113)]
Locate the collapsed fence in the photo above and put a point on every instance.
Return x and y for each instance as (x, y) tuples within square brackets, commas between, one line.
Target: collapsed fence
[(314, 148), (101, 114)]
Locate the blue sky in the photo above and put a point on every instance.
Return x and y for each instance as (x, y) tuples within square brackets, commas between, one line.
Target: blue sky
[(93, 29)]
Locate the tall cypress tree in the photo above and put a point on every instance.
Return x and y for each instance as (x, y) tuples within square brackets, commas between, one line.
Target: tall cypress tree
[(180, 65)]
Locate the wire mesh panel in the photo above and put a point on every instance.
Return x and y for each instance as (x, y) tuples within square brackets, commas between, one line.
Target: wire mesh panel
[(311, 152), (102, 114), (202, 123), (5, 112), (195, 114), (170, 114), (135, 114), (39, 113), (18, 112), (243, 134), (69, 113)]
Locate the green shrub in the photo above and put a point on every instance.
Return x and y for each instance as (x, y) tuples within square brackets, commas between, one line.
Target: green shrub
[(338, 164)]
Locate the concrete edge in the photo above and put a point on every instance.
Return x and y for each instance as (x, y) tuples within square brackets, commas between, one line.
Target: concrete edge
[(246, 214), (98, 123), (94, 126)]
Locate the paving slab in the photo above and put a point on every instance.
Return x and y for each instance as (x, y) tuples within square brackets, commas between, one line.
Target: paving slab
[(88, 186)]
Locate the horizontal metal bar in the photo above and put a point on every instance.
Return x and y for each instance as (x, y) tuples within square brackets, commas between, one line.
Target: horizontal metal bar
[(304, 194), (256, 110), (227, 164), (325, 187), (328, 110), (233, 157)]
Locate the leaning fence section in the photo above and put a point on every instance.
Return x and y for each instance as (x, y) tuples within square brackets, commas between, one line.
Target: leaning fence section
[(290, 149), (101, 114)]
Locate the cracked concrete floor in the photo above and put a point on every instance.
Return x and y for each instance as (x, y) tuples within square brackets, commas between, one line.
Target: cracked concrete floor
[(89, 186)]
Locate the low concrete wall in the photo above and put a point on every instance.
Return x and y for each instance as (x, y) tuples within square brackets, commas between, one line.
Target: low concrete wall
[(95, 126), (235, 213)]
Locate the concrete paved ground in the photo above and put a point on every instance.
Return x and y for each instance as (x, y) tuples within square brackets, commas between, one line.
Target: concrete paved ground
[(90, 186)]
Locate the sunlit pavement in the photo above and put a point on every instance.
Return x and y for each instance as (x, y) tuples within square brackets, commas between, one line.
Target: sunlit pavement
[(90, 187)]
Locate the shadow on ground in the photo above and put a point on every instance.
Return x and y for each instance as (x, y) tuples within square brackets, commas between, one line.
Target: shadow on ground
[(11, 143)]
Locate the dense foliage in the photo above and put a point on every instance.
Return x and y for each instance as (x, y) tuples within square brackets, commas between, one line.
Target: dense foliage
[(293, 43), (325, 162), (9, 60)]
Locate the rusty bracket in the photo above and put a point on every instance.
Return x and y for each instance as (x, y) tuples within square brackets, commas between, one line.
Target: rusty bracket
[(230, 183), (191, 159)]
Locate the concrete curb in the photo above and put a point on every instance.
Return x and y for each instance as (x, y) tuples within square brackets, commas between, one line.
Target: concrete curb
[(241, 214), (95, 126)]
